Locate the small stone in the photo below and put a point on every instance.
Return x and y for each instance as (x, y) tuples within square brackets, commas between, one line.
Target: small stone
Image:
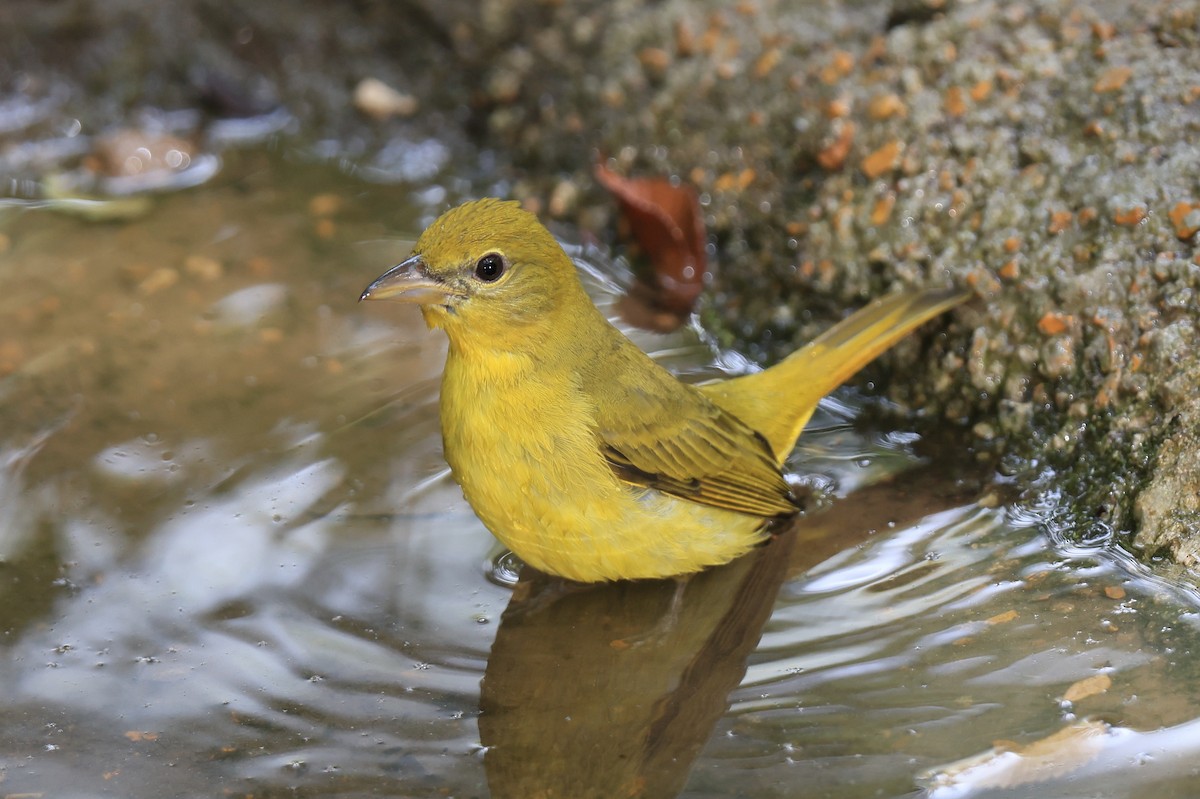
[(955, 103), (1004, 618), (324, 204), (1112, 80), (655, 60), (563, 198), (203, 267), (162, 278), (379, 101), (767, 62), (1059, 221), (885, 106), (833, 155)]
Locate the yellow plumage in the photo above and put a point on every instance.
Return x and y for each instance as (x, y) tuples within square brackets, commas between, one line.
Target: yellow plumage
[(582, 455)]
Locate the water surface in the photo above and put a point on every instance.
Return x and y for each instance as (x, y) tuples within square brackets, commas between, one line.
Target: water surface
[(232, 561)]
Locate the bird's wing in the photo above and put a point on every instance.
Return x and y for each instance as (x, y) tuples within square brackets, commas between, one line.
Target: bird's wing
[(669, 437)]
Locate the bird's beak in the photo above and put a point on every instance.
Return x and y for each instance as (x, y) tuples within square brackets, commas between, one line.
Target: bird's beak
[(409, 281)]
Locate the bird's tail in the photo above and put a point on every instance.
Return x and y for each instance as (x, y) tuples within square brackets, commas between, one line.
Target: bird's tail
[(778, 402)]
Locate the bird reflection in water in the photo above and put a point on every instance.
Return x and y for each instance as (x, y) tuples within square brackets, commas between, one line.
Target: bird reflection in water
[(587, 693)]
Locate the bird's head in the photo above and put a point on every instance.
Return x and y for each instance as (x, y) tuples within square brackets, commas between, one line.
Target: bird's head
[(484, 271)]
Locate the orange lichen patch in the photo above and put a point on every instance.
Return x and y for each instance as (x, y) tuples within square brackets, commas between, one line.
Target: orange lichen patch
[(712, 35), (1185, 222), (955, 103), (981, 90), (1129, 216), (1059, 221), (882, 160), (983, 282), (833, 155), (1108, 389), (734, 181), (838, 67), (837, 108), (883, 209), (1088, 686), (685, 39), (655, 59), (1054, 323), (612, 96), (885, 106), (1112, 79), (843, 61), (1104, 31), (767, 62), (1010, 271)]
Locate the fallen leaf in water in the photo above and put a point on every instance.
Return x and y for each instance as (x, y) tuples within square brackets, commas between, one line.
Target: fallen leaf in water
[(1088, 686), (664, 222), (1009, 765)]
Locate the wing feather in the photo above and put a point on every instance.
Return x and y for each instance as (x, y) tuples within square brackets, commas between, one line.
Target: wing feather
[(670, 437)]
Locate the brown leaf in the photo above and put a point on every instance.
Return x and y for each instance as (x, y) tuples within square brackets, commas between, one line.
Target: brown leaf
[(665, 223)]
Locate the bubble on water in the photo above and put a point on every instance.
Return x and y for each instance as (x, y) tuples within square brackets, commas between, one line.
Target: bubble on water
[(504, 569)]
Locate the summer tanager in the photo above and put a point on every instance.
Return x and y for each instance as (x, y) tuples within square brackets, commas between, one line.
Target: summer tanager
[(580, 453)]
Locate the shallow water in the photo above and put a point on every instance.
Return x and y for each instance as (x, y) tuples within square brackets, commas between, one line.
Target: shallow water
[(231, 560)]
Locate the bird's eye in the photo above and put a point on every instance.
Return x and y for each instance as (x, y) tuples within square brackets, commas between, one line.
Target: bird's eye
[(490, 267)]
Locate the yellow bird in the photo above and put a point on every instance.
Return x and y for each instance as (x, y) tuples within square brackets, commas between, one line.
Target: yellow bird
[(580, 453)]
